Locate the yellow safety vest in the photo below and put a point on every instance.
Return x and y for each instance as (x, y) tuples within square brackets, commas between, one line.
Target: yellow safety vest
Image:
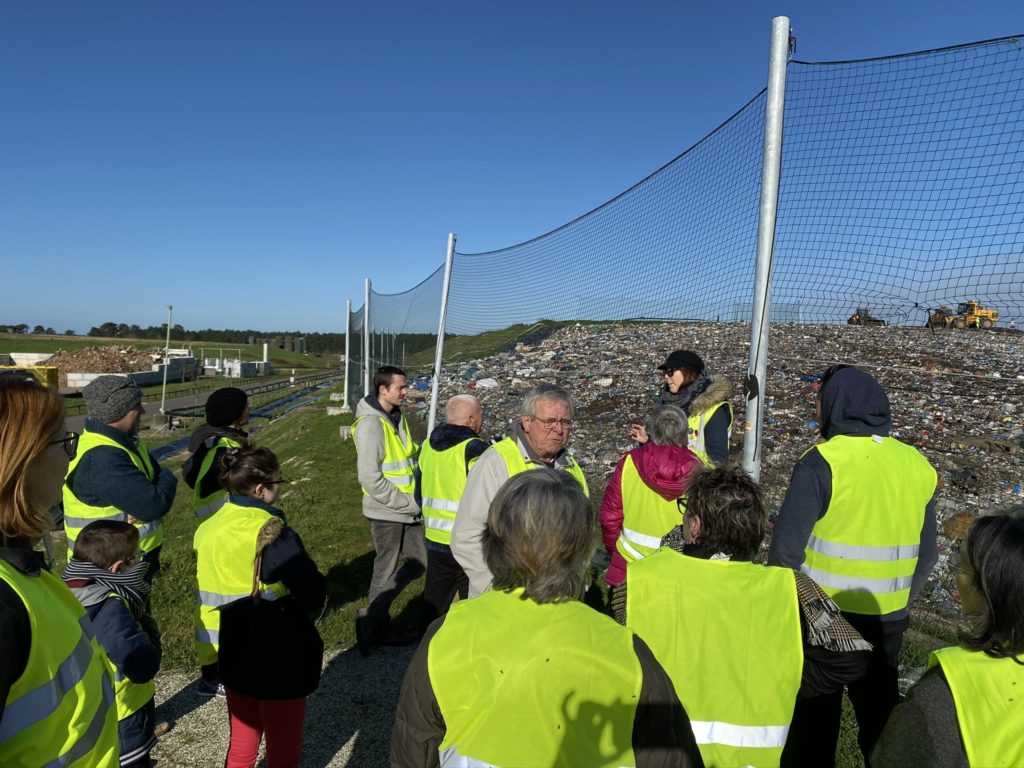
[(646, 515), (531, 686), (130, 697), (696, 431), (78, 514), (728, 635), (399, 465), (509, 450), (225, 546), (989, 705), (204, 506), (61, 710), (442, 482), (863, 550)]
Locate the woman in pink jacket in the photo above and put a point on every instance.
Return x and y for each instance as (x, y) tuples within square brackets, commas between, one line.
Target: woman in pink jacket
[(643, 500)]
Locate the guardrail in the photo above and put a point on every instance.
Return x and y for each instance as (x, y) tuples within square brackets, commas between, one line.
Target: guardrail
[(270, 386), (75, 405)]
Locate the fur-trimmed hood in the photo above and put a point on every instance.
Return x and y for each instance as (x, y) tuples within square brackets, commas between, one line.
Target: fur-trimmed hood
[(718, 391)]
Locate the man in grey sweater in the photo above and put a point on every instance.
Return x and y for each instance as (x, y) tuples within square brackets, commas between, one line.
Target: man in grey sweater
[(386, 469), (538, 440)]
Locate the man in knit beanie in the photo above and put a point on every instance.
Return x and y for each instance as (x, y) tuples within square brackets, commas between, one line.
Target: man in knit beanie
[(227, 411), (113, 476)]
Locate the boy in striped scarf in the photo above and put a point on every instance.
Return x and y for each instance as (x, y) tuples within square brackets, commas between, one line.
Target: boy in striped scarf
[(106, 574)]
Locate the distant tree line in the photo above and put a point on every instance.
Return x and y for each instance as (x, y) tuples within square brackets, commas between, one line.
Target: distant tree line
[(315, 343)]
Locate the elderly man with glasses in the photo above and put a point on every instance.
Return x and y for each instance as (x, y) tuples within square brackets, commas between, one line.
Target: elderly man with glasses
[(113, 477), (539, 440)]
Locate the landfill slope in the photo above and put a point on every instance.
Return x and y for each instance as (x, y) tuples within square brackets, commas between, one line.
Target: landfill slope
[(957, 396)]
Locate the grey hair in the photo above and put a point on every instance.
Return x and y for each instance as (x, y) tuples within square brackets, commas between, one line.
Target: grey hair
[(545, 392), (540, 536), (667, 426)]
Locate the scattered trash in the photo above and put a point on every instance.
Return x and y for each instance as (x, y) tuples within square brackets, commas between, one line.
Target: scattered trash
[(944, 401)]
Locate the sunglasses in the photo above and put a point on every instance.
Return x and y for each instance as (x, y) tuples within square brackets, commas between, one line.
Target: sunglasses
[(70, 443)]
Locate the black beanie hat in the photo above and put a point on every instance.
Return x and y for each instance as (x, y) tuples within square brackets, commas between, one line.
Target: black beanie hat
[(225, 406)]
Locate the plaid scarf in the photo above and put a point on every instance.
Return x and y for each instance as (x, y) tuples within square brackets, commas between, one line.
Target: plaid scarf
[(128, 585)]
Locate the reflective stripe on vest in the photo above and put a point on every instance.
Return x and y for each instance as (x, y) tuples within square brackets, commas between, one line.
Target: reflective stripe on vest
[(987, 695), (740, 707), (863, 551), (60, 711), (509, 450), (442, 483), (518, 684), (78, 514), (129, 697), (399, 465), (696, 431), (225, 546), (204, 506), (646, 515)]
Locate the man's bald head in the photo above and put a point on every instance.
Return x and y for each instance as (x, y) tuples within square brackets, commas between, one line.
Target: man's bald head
[(465, 411)]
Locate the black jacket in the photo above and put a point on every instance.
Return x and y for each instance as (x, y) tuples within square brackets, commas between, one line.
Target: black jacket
[(201, 442), (271, 649), (852, 404), (15, 629)]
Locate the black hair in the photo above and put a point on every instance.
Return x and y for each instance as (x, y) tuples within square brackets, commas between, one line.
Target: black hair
[(383, 377), (995, 548)]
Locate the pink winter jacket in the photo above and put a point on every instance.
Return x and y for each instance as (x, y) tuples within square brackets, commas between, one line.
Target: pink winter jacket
[(667, 469)]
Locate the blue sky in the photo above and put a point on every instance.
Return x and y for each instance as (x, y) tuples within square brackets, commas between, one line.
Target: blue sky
[(251, 162)]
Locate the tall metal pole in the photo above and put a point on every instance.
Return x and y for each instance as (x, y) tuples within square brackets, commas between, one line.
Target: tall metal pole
[(439, 347), (366, 338), (167, 351), (348, 330), (771, 168)]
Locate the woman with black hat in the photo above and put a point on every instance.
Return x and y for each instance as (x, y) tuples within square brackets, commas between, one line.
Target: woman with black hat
[(703, 399), (227, 411)]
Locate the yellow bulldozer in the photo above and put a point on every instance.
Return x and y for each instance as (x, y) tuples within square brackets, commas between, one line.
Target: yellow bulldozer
[(969, 314)]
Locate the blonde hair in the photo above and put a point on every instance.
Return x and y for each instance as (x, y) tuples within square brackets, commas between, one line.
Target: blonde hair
[(30, 415)]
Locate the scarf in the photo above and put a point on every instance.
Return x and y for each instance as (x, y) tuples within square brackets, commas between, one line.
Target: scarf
[(687, 394), (128, 585)]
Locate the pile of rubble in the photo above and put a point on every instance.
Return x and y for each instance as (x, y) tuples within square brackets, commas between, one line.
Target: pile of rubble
[(957, 396), (108, 359)]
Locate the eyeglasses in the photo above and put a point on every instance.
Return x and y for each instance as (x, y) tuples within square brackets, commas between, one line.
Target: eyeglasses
[(282, 481), (70, 443), (550, 424)]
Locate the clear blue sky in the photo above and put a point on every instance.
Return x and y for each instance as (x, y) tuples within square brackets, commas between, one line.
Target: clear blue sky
[(251, 162)]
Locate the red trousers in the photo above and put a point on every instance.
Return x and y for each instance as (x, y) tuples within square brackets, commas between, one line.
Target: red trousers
[(250, 719)]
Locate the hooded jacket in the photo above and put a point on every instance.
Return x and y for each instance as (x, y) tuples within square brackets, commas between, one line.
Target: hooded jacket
[(382, 500), (852, 404), (665, 469)]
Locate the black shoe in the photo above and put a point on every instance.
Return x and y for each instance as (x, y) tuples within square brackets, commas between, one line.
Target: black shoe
[(364, 633), (392, 636)]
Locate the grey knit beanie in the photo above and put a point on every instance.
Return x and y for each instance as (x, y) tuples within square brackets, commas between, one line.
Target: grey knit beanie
[(108, 398)]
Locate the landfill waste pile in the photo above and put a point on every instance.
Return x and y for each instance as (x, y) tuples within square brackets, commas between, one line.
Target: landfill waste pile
[(959, 398), (108, 359)]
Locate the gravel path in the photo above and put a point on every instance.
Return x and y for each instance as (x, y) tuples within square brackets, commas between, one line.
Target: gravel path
[(348, 722)]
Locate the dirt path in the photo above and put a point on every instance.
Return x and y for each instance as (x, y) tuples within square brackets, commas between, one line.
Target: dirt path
[(348, 722)]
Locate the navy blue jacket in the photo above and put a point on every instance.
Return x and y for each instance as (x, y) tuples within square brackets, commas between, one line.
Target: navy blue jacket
[(106, 476), (852, 404)]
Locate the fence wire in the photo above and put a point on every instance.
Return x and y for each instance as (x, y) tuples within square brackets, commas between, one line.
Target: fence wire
[(902, 190)]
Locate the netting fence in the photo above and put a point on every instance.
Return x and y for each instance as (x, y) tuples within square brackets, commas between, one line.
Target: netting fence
[(902, 190)]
